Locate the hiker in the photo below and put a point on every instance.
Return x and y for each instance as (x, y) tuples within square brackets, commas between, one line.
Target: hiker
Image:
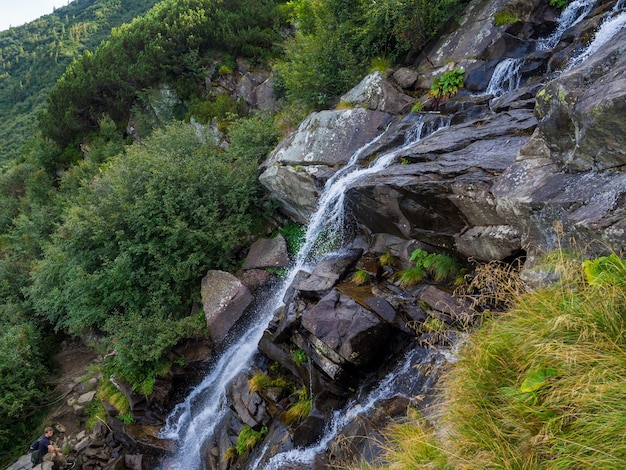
[(50, 453)]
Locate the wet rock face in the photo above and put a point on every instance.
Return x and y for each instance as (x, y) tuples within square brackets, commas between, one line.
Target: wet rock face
[(355, 333), (582, 112)]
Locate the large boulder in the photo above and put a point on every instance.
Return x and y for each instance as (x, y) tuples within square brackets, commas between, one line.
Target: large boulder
[(324, 142), (378, 93), (478, 41), (443, 189), (224, 299), (582, 112), (267, 253), (356, 334)]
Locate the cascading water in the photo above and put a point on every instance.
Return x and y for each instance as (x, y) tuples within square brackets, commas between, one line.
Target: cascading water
[(612, 24), (505, 78), (571, 15), (192, 422), (403, 380)]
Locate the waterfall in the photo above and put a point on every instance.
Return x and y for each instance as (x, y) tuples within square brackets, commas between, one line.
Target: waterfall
[(612, 24), (505, 78), (571, 15), (194, 421), (401, 381)]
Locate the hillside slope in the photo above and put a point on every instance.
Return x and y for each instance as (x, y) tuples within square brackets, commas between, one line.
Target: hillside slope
[(34, 56)]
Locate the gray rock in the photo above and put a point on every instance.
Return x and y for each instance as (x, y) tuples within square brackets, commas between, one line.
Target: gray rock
[(224, 299), (355, 333), (267, 253), (249, 406), (582, 111), (328, 272), (405, 77), (296, 170), (376, 92)]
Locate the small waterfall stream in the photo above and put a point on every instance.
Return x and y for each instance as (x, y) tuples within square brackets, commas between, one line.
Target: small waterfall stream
[(571, 15), (404, 380), (506, 76), (192, 422), (612, 24)]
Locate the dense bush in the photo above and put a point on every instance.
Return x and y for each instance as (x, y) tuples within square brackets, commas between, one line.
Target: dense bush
[(336, 41), (176, 41), (139, 236), (22, 378)]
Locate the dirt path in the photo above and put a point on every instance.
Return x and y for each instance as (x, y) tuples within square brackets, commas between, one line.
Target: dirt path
[(74, 361)]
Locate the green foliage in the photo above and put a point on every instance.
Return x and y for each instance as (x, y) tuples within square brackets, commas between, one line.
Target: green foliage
[(411, 444), (542, 386), (447, 85), (380, 64), (387, 259), (23, 379), (35, 55), (261, 381), (248, 438), (606, 270), (137, 238), (252, 138), (299, 409), (411, 276), (294, 235), (361, 277), (173, 42), (299, 357), (218, 109), (335, 40), (439, 266), (126, 418), (504, 17), (418, 107), (559, 3)]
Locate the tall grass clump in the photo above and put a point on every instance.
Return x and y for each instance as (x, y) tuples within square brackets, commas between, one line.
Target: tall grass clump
[(543, 386)]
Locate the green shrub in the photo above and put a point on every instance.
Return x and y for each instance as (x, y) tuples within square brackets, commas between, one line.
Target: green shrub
[(299, 357), (380, 64), (439, 266), (447, 85), (248, 438), (294, 235), (299, 409), (261, 381), (559, 3), (505, 17), (418, 107), (361, 277), (135, 241)]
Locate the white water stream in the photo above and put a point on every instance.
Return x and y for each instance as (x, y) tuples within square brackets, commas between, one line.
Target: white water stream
[(506, 76), (612, 24), (192, 422)]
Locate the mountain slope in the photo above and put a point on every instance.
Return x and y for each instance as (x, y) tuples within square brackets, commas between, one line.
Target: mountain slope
[(34, 56)]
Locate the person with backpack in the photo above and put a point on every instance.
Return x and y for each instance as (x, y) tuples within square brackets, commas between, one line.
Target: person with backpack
[(43, 450)]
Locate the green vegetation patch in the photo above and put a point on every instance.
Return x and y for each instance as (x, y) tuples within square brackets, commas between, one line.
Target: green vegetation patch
[(544, 386)]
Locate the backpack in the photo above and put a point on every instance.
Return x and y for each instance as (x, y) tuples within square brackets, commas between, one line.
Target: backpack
[(35, 452)]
